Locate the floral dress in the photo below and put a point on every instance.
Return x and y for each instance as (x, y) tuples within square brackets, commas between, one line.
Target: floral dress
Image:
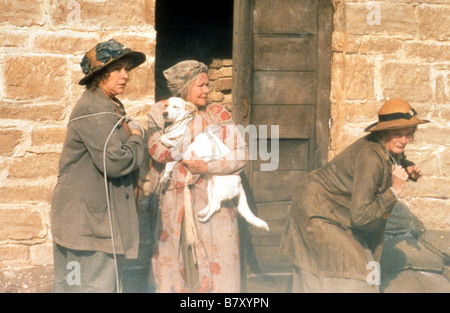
[(213, 264)]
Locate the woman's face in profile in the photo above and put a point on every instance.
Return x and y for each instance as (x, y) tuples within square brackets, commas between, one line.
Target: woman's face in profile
[(199, 90)]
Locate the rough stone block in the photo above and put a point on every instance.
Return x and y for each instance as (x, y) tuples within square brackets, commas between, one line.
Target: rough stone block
[(34, 166), (29, 112), (359, 77), (384, 45), (16, 39), (20, 224), (410, 82), (227, 62), (31, 77), (113, 14), (13, 252), (226, 71), (223, 84), (431, 52), (10, 139), (434, 22), (358, 111), (431, 162), (432, 135), (64, 42), (22, 13), (388, 18), (41, 254), (17, 194), (48, 135), (429, 187)]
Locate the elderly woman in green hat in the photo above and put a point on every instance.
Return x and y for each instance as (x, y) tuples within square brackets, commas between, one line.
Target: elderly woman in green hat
[(94, 220), (338, 217), (212, 263)]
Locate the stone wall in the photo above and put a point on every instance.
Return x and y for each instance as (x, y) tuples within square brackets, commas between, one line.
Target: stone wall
[(220, 72), (397, 49), (41, 45)]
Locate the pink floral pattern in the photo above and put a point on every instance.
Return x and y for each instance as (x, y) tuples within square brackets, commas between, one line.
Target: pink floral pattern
[(218, 248)]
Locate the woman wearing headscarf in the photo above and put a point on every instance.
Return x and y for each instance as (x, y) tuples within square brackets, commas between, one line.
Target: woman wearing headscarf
[(212, 262), (338, 217), (94, 219)]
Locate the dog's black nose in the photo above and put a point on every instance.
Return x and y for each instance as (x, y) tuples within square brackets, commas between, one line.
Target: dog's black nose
[(165, 114)]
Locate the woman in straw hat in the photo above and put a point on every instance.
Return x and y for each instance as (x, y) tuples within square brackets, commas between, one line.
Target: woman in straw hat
[(211, 263), (337, 220), (94, 220)]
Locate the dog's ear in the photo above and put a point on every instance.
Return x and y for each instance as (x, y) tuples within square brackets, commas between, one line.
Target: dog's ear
[(190, 107)]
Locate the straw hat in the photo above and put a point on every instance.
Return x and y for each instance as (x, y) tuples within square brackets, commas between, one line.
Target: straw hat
[(104, 54), (393, 114)]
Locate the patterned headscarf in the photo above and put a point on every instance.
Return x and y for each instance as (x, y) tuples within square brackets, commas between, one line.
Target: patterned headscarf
[(182, 74)]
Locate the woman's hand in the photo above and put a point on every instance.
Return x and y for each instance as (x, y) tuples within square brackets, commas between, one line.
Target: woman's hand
[(136, 132), (196, 166), (414, 172), (134, 126), (399, 178)]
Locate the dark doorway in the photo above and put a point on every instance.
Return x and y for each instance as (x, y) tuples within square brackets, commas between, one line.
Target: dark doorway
[(200, 30)]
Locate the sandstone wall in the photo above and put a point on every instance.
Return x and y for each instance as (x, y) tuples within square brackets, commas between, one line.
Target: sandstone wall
[(397, 49)]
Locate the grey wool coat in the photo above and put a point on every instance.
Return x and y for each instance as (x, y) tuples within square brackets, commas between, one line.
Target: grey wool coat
[(79, 211), (338, 217)]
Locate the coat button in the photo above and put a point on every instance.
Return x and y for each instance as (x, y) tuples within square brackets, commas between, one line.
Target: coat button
[(127, 196)]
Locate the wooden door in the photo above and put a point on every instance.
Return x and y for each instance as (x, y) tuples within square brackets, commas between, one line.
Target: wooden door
[(282, 61)]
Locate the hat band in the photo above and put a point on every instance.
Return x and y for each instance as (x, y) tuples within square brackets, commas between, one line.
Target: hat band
[(396, 116)]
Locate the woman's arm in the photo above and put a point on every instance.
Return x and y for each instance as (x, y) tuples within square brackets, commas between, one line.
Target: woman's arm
[(120, 158)]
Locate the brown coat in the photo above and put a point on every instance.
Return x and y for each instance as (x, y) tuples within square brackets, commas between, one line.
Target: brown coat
[(79, 216), (338, 217)]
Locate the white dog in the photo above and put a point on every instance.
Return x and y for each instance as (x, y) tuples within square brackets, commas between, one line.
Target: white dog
[(208, 147)]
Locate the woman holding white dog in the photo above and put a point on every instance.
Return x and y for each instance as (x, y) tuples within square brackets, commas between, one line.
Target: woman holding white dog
[(338, 217), (212, 263)]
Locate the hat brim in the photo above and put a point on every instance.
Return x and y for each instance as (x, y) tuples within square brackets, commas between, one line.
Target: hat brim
[(395, 124), (137, 58)]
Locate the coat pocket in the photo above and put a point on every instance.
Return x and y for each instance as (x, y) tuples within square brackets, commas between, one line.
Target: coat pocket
[(95, 221)]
